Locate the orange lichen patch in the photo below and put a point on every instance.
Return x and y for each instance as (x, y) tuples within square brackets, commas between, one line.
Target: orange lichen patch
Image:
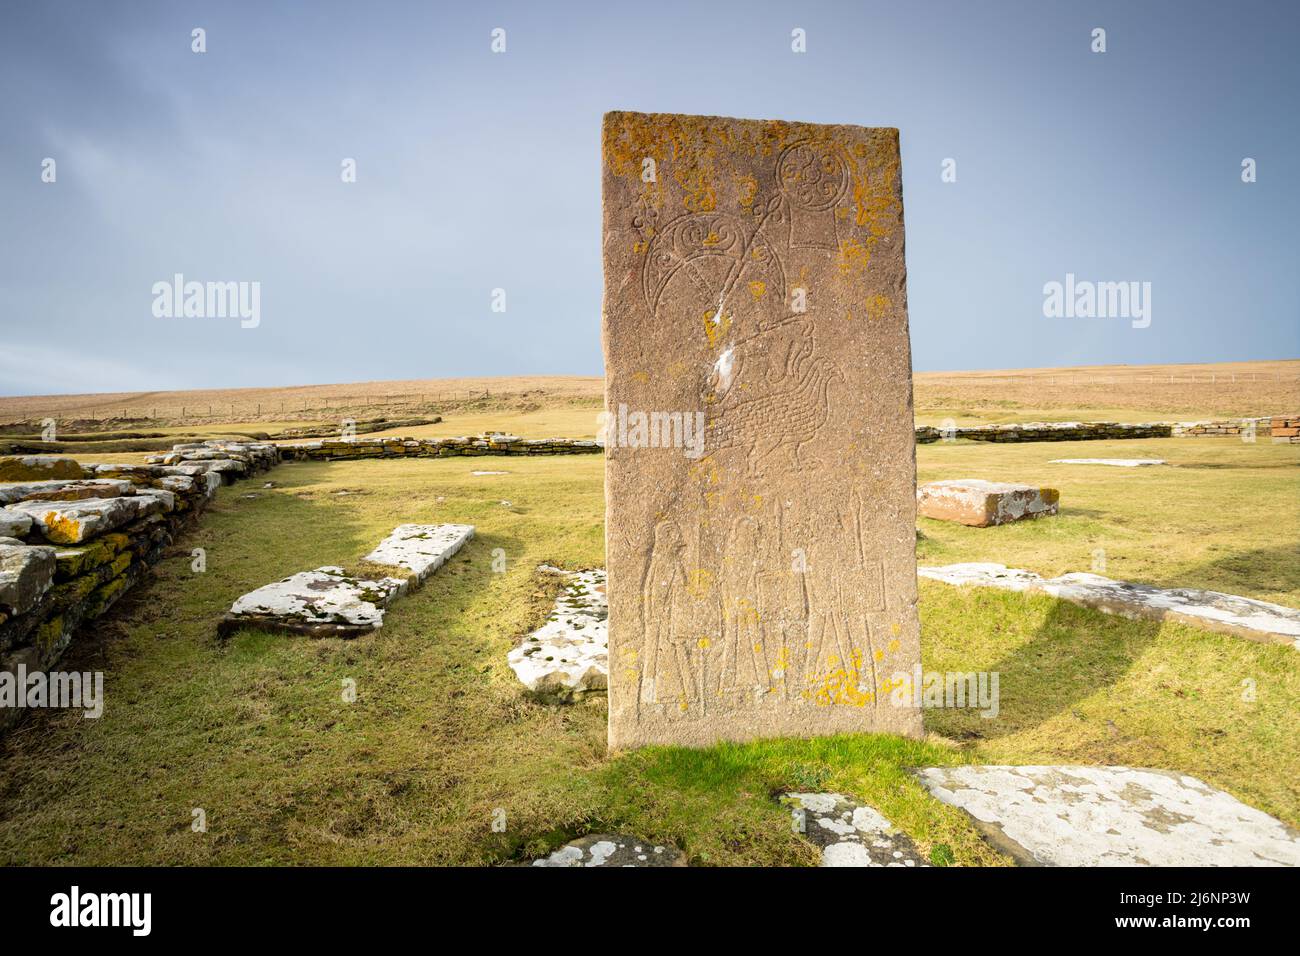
[(757, 289), (853, 257), (748, 186), (715, 331), (839, 685), (699, 583), (877, 306)]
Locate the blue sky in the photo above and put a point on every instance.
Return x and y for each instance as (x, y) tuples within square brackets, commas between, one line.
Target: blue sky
[(478, 171)]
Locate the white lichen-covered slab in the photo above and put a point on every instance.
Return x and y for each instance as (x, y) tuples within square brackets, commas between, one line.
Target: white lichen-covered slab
[(63, 490), (613, 849), (1114, 462), (421, 549), (980, 503), (71, 522), (325, 602), (850, 833), (1112, 816), (1212, 610), (568, 656)]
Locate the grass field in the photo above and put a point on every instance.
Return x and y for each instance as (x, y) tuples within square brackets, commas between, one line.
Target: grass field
[(1098, 393), (255, 730)]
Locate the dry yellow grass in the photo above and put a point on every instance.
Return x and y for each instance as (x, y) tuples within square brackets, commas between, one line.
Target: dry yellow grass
[(1101, 392)]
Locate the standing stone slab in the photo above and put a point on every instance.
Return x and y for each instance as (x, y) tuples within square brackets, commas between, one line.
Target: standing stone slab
[(1112, 816), (760, 458)]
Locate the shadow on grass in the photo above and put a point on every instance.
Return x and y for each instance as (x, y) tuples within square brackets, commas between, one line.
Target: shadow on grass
[(1072, 654), (1274, 570)]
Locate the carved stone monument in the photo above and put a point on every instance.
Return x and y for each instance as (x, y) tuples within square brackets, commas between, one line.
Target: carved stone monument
[(760, 457)]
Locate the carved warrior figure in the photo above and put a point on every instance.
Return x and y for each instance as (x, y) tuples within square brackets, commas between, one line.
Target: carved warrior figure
[(769, 587)]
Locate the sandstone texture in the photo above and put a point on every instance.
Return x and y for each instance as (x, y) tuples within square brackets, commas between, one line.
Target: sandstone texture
[(1212, 610), (981, 504), (613, 850), (1112, 816), (850, 833), (567, 657), (761, 569)]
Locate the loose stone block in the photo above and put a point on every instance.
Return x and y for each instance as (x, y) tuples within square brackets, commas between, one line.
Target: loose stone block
[(614, 850), (421, 548), (71, 522), (39, 468), (26, 573), (979, 503), (325, 602), (14, 524), (1112, 816), (760, 457), (1213, 610), (568, 656), (850, 833)]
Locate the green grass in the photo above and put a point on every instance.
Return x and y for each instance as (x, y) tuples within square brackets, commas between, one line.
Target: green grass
[(255, 730)]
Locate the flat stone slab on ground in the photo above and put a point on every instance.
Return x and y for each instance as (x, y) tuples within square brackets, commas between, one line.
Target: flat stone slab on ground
[(850, 833), (613, 849), (325, 602), (568, 656), (421, 548), (979, 503), (1112, 816), (1212, 610), (1114, 462)]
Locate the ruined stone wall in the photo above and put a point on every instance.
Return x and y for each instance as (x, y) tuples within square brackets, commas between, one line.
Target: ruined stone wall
[(1095, 431), (1047, 431), (1286, 428), (490, 444), (74, 538), (1231, 426)]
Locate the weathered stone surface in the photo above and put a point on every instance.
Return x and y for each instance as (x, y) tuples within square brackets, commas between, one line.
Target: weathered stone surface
[(26, 573), (65, 490), (850, 833), (1112, 816), (1212, 610), (762, 581), (979, 503), (71, 522), (38, 468), (325, 602), (613, 849), (14, 524), (568, 656), (1113, 462), (421, 549)]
